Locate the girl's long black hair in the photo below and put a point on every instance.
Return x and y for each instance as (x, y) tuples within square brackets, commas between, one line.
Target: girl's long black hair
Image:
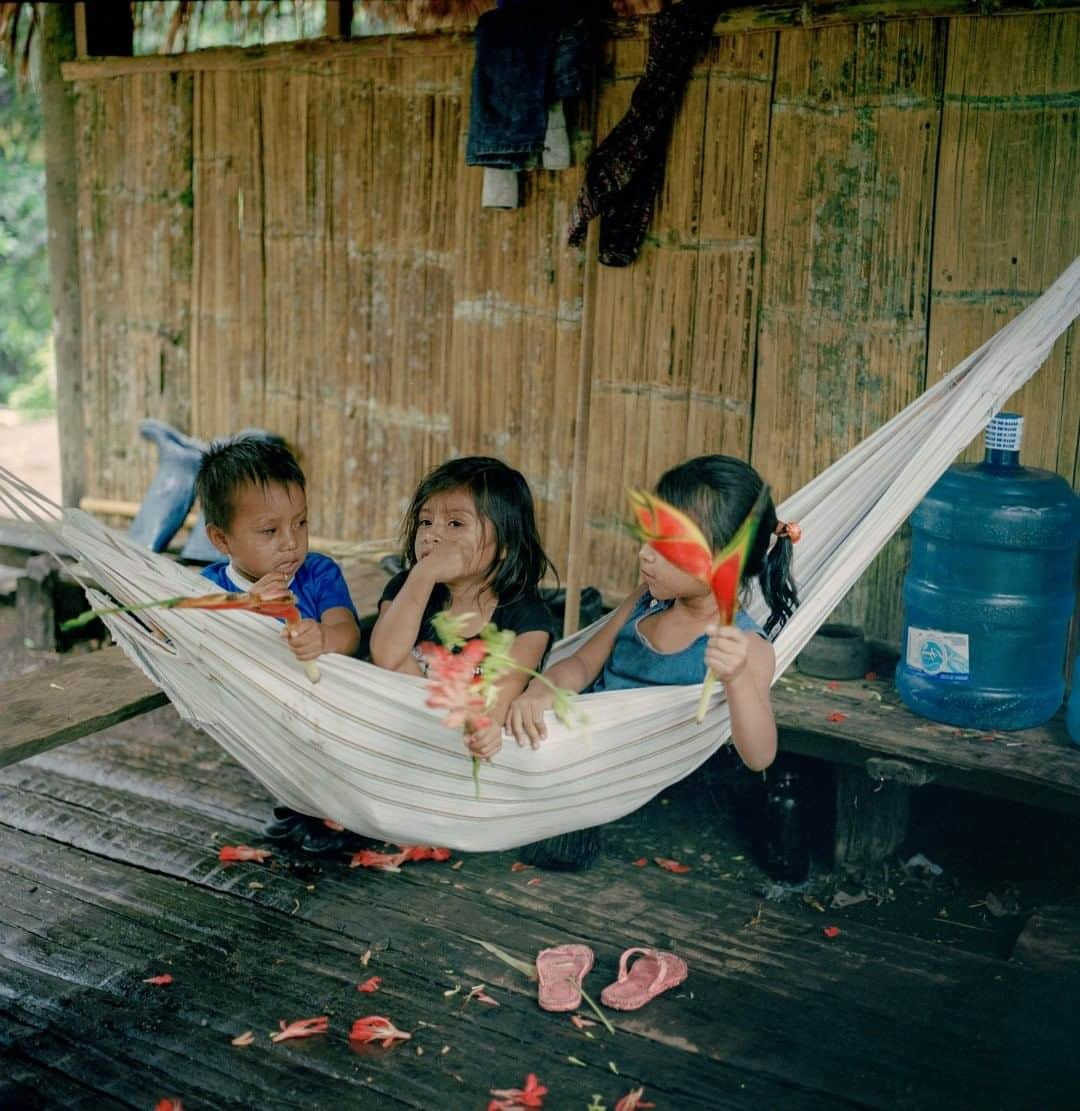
[(503, 497), (718, 491)]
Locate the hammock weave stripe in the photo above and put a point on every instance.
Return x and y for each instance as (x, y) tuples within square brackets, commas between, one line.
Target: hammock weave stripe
[(361, 748)]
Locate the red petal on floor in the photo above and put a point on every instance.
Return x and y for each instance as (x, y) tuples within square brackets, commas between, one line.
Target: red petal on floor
[(376, 1028), (518, 866), (831, 931), (510, 1099), (301, 1028), (369, 858), (534, 882), (423, 852), (836, 716), (229, 853), (246, 1038), (833, 685), (640, 862), (168, 1105), (164, 978), (372, 983), (581, 1023), (671, 865), (633, 1101)]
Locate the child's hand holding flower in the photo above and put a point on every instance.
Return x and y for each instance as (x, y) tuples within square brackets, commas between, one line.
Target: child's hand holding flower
[(727, 652), (485, 742), (274, 584), (305, 639)]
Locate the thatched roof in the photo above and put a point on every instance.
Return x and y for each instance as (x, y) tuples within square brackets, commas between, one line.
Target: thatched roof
[(179, 20)]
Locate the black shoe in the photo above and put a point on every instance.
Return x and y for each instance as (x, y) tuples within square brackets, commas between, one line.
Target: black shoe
[(570, 852), (320, 840), (286, 825)]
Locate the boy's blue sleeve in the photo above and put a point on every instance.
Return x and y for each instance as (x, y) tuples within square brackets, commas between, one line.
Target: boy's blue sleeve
[(329, 586), (215, 572)]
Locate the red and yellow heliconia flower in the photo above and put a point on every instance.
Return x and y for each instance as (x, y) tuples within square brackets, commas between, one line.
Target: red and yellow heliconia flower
[(678, 538), (283, 608)]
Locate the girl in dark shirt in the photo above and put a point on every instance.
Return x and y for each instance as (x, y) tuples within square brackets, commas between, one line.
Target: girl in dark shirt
[(470, 547)]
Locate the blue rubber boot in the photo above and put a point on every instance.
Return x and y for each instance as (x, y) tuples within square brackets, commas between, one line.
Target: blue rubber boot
[(172, 490)]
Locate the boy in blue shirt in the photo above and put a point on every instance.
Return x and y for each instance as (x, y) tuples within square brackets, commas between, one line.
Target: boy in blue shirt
[(253, 494)]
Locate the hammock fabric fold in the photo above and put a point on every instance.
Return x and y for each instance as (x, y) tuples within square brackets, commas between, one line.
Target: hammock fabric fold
[(363, 749)]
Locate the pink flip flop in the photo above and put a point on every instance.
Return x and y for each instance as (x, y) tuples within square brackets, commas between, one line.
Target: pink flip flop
[(653, 972), (560, 972)]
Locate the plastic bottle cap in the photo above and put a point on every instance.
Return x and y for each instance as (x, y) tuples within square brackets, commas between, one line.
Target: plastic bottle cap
[(1004, 432)]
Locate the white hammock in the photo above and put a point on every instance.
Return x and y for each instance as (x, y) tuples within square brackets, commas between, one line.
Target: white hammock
[(360, 746)]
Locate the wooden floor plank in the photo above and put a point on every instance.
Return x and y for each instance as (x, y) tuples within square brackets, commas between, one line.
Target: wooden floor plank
[(873, 1020), (108, 947), (29, 1086)]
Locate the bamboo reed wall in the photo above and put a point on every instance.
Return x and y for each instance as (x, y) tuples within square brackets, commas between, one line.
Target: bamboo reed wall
[(292, 240)]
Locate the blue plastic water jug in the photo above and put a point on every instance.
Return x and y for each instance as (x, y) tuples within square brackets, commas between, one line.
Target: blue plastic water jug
[(988, 596), (1072, 715)]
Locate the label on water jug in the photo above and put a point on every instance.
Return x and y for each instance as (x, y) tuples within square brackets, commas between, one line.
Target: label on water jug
[(937, 655)]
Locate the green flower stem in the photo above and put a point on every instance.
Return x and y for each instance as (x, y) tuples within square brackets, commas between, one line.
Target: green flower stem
[(86, 617), (596, 1010)]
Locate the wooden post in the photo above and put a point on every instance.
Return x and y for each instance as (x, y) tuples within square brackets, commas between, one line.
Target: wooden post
[(81, 49), (57, 45), (578, 548), (35, 604), (339, 17)]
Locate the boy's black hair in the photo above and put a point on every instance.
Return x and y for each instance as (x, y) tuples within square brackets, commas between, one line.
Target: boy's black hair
[(718, 491), (242, 460), (501, 495)]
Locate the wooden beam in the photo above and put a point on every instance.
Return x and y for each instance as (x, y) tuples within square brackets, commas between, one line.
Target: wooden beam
[(57, 45), (81, 50), (775, 16), (271, 56), (23, 536), (81, 695)]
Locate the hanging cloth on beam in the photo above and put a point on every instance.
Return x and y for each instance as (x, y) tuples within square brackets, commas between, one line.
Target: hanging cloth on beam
[(624, 173)]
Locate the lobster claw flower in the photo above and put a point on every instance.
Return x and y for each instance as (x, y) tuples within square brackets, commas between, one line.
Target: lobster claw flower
[(671, 533), (675, 536)]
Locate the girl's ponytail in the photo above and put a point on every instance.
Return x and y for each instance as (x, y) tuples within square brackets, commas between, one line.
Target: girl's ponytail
[(777, 586)]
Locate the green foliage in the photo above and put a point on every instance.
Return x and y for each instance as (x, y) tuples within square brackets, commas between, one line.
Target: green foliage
[(34, 396), (25, 316)]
